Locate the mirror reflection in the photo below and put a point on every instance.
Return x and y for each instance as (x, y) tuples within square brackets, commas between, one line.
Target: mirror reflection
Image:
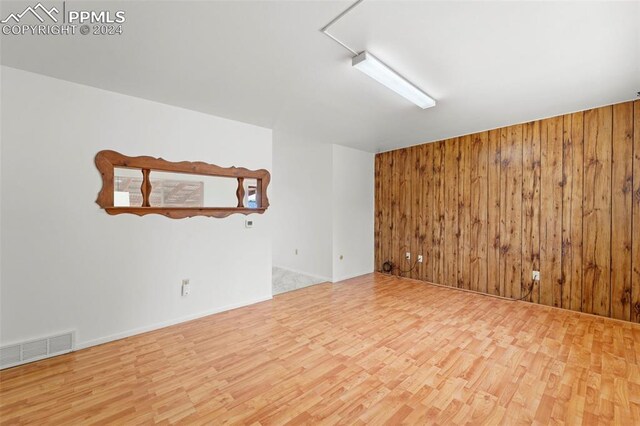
[(186, 190), (250, 193), (126, 187)]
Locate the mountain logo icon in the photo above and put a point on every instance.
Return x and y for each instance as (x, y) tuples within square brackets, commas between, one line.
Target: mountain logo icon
[(39, 11)]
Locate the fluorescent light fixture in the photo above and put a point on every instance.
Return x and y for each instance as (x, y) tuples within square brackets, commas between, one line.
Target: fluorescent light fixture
[(376, 69)]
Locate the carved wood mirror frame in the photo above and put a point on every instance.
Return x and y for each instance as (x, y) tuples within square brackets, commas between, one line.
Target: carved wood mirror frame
[(106, 161)]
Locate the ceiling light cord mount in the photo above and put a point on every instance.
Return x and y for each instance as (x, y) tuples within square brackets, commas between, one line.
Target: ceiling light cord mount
[(378, 70), (325, 30)]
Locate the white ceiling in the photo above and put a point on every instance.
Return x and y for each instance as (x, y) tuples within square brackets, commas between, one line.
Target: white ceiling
[(488, 64)]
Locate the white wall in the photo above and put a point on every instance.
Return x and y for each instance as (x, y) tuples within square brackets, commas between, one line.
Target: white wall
[(1, 133), (66, 264), (353, 207), (301, 205), (323, 206)]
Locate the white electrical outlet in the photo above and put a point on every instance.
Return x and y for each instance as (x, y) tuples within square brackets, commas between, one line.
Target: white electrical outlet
[(536, 275), (420, 258), (186, 287), (407, 256)]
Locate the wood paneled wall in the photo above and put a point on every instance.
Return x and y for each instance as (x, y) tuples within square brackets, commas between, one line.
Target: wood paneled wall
[(559, 195)]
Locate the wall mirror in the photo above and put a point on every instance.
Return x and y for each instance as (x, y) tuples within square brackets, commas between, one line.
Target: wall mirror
[(144, 185)]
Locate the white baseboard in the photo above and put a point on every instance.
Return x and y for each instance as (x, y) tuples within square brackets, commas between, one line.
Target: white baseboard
[(163, 324), (349, 276), (317, 277), (327, 279)]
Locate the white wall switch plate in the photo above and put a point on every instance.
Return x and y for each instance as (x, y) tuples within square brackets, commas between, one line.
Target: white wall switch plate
[(186, 287), (420, 258), (248, 223), (536, 275), (407, 256)]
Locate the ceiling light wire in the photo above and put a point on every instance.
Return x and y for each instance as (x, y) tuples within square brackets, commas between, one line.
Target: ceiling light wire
[(325, 30), (379, 71)]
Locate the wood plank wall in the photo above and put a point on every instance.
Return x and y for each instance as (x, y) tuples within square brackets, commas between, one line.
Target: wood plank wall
[(559, 195)]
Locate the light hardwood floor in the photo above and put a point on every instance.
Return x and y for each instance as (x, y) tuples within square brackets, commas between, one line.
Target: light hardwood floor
[(370, 350)]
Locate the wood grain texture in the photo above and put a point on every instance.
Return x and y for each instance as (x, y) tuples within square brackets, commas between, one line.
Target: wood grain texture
[(635, 225), (551, 211), (531, 209), (240, 192), (596, 228), (373, 350), (386, 227), (493, 214), (415, 217), (438, 212), (395, 256), (511, 211), (411, 235), (464, 214), (184, 212), (425, 191), (621, 213), (378, 211), (558, 195), (478, 213), (404, 224), (573, 187), (145, 188), (452, 232)]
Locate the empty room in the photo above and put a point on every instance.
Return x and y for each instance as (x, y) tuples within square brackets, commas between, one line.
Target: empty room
[(320, 212)]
